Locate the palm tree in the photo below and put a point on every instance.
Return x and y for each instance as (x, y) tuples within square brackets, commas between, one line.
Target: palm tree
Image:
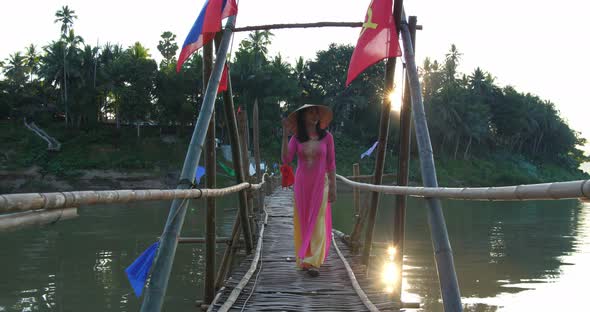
[(32, 60), (451, 62), (137, 50), (52, 69), (300, 69), (72, 40), (15, 70), (259, 41), (257, 44), (66, 17)]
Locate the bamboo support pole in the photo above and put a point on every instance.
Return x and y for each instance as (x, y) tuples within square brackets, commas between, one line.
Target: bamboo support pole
[(438, 230), (158, 283), (382, 147), (358, 226), (19, 220), (356, 193), (211, 172), (302, 25), (238, 161), (380, 159), (228, 253), (299, 25), (234, 138), (403, 172), (256, 147), (243, 130)]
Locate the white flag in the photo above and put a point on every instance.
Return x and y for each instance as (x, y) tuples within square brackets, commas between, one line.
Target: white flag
[(370, 150)]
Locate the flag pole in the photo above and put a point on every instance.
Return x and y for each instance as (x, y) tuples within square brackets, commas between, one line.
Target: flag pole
[(382, 145), (211, 172), (443, 253), (156, 289), (403, 175)]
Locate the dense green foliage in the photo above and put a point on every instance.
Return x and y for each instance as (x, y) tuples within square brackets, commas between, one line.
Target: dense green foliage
[(469, 114), (102, 91)]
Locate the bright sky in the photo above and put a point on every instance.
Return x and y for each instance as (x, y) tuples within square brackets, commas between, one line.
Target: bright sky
[(538, 46)]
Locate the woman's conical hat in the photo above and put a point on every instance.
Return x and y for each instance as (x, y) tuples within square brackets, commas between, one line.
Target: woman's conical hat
[(324, 111)]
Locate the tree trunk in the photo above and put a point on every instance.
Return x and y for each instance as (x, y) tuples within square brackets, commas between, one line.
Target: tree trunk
[(457, 147), (538, 142), (117, 119), (466, 154), (66, 90)]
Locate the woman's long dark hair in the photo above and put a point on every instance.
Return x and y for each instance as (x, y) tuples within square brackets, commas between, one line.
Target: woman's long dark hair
[(302, 135)]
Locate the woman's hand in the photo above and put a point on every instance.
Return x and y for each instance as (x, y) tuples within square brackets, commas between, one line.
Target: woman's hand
[(331, 195), (287, 126)]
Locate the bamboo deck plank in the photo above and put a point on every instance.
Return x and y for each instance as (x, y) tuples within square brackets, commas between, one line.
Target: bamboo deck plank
[(282, 287)]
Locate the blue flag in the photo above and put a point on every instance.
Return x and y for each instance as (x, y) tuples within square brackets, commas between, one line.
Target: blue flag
[(370, 150), (199, 174), (138, 271)]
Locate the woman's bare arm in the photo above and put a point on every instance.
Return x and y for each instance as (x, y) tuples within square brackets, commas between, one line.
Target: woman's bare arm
[(332, 190), (285, 141)]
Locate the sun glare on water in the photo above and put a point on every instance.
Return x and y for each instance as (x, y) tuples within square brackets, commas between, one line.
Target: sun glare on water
[(389, 273)]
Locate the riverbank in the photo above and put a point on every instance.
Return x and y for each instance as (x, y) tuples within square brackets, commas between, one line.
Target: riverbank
[(109, 158)]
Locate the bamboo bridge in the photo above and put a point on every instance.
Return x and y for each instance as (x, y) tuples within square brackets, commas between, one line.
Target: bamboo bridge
[(266, 278)]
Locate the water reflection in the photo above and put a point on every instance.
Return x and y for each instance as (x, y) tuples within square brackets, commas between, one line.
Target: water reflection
[(79, 264), (509, 256), (503, 251)]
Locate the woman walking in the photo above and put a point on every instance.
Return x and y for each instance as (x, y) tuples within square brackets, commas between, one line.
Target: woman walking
[(315, 182)]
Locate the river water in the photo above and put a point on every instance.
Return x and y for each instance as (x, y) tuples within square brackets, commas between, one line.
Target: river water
[(522, 256)]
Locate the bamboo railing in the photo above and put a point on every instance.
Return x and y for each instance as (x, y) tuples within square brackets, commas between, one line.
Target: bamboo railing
[(15, 221), (544, 191), (10, 203), (58, 200)]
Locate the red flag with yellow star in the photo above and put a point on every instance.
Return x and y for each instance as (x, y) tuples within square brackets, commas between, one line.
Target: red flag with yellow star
[(378, 39)]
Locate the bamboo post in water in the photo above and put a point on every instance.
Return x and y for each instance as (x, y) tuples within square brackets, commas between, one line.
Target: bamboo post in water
[(243, 130), (356, 193), (158, 283), (242, 217), (210, 170), (382, 147), (359, 216), (256, 146), (228, 253), (399, 218), (443, 253), (234, 138), (357, 229), (380, 161)]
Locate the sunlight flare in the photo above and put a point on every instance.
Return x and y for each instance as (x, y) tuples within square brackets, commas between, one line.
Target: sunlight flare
[(391, 252), (389, 274), (395, 100)]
